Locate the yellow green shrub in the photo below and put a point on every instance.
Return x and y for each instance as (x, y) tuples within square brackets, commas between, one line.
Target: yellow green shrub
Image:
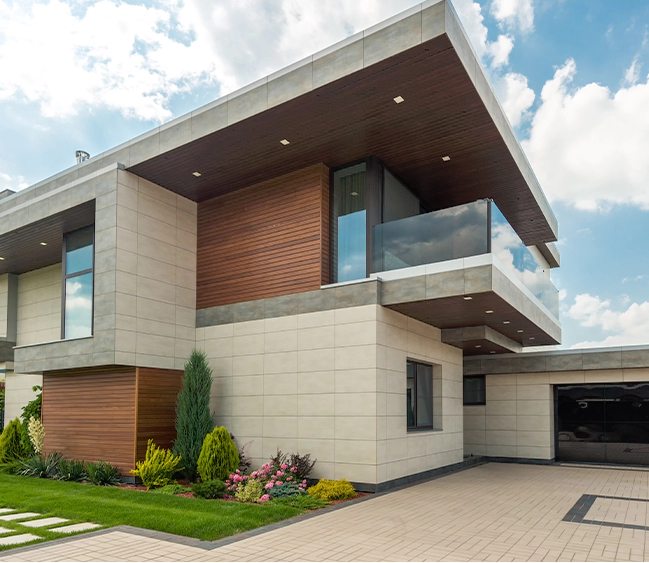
[(326, 489), (158, 467), (250, 491)]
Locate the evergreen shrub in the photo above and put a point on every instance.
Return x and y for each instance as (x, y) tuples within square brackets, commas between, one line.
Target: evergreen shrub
[(71, 470), (327, 489), (11, 442), (212, 489), (102, 473), (219, 456), (250, 491), (193, 418), (158, 467)]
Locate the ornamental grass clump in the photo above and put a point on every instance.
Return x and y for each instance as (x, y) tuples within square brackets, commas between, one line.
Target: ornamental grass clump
[(327, 489), (71, 470), (12, 447), (102, 473), (158, 467), (42, 466), (219, 455), (193, 418)]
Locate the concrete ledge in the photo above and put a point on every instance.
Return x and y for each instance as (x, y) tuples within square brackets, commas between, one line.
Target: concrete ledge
[(6, 350)]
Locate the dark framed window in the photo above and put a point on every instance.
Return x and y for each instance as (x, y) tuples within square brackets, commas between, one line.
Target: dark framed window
[(419, 392), (475, 392), (78, 283)]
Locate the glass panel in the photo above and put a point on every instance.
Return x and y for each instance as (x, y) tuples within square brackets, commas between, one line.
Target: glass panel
[(350, 226), (424, 395), (410, 392), (519, 262), (474, 390), (79, 250), (451, 233), (78, 306), (398, 201)]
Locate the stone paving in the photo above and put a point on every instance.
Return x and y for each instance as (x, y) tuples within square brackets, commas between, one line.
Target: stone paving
[(493, 512)]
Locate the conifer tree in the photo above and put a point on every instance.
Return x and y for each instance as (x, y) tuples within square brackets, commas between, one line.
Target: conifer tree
[(11, 446), (219, 455), (193, 418)]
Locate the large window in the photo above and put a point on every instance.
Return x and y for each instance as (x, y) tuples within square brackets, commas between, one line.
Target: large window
[(474, 390), (78, 263), (420, 395)]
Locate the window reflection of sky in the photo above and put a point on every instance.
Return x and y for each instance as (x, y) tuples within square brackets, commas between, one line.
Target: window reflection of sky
[(351, 246), (78, 306)]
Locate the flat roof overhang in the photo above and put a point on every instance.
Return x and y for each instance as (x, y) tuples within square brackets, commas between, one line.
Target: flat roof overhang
[(337, 107)]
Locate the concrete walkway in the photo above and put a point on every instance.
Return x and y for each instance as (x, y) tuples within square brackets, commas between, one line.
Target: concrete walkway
[(493, 512)]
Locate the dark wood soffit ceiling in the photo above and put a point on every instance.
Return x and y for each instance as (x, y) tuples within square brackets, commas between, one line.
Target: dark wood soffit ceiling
[(22, 250), (455, 312), (355, 117)]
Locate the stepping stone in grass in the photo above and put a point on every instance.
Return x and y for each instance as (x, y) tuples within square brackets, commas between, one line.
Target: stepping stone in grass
[(75, 528), (5, 530), (42, 522), (19, 516), (3, 510), (20, 538)]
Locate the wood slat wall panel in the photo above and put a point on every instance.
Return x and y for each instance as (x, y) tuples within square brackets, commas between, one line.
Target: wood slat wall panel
[(266, 240), (156, 410), (90, 414)]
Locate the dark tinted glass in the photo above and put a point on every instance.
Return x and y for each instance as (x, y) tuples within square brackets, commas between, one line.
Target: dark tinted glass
[(424, 395), (79, 250), (474, 390)]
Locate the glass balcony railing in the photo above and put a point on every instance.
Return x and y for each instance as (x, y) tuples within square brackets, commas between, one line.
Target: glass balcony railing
[(459, 232)]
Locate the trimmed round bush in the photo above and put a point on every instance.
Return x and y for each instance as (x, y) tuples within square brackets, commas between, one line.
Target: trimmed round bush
[(219, 455), (327, 489)]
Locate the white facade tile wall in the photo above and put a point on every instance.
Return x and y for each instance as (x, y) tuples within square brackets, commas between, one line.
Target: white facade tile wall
[(39, 306), (18, 392), (4, 295), (319, 383)]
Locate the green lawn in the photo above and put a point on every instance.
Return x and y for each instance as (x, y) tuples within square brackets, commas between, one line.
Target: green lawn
[(112, 506)]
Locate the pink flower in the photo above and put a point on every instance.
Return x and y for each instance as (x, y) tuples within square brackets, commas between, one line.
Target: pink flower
[(264, 498), (269, 485), (278, 483), (237, 471), (289, 478), (280, 474), (293, 469), (284, 466)]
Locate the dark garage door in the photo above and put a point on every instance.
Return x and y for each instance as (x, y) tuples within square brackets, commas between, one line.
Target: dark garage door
[(606, 422)]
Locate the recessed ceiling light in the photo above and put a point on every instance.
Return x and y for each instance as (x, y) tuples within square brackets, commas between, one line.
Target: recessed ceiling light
[(489, 312), (446, 158), (43, 244), (398, 99), (354, 193), (519, 331), (285, 142), (531, 338), (1, 258), (478, 346), (467, 298), (506, 322), (197, 174), (492, 352)]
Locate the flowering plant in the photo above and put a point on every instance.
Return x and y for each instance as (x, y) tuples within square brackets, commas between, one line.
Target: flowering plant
[(280, 480)]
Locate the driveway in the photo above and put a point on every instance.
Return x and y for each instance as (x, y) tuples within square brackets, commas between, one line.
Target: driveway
[(492, 512)]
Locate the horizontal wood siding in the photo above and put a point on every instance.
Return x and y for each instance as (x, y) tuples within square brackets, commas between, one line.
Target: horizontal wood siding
[(156, 410), (266, 240), (90, 414)]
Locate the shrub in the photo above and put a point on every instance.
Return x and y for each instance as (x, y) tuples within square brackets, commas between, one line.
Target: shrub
[(305, 502), (215, 488), (301, 463), (193, 418), (219, 456), (36, 432), (71, 470), (158, 467), (42, 466), (327, 489), (172, 489), (102, 473), (32, 408), (11, 468), (251, 491), (11, 442), (286, 489)]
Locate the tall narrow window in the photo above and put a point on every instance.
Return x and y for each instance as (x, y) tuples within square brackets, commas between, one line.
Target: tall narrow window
[(78, 263), (350, 224), (419, 392)]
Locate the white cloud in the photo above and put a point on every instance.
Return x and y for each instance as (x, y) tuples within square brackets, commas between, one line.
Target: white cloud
[(500, 50), (514, 13), (632, 74), (515, 96), (14, 183), (627, 327), (588, 146)]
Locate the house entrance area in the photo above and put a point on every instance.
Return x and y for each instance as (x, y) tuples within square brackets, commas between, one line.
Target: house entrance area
[(604, 422)]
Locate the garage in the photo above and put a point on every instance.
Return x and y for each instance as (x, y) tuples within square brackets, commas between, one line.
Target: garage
[(604, 423)]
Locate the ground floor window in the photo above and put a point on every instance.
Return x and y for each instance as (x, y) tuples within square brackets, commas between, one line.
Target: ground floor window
[(475, 390), (420, 395)]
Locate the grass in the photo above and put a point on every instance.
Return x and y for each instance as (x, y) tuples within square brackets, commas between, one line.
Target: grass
[(113, 506)]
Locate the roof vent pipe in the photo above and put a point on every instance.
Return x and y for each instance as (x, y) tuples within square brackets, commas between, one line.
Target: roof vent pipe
[(82, 156)]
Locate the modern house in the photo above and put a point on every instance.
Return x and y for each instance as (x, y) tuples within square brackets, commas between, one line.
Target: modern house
[(341, 237)]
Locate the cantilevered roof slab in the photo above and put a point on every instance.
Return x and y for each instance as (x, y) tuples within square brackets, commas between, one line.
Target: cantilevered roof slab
[(338, 106)]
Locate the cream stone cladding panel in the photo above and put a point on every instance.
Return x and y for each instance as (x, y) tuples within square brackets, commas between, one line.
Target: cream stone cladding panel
[(518, 418), (39, 306), (331, 384), (18, 392), (4, 295), (154, 274)]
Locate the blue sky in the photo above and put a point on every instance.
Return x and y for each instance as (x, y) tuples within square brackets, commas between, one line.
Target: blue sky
[(572, 76)]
